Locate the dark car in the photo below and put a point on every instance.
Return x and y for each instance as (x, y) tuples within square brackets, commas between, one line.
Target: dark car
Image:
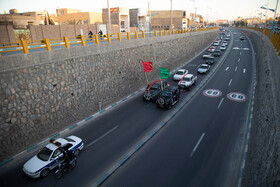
[(210, 61), (154, 89), (168, 97), (242, 37), (216, 54)]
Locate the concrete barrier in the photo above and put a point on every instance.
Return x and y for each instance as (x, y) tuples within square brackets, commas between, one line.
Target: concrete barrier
[(263, 158)]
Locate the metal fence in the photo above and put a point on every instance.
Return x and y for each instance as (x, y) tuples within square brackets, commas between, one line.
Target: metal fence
[(47, 43), (275, 38)]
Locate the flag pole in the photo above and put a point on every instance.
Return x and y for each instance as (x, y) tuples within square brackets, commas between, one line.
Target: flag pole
[(144, 72)]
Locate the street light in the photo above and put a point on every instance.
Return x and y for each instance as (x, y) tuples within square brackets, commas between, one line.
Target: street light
[(262, 7), (171, 12), (275, 11), (109, 17)]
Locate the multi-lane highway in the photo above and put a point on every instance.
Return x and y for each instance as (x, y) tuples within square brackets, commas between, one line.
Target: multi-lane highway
[(199, 142)]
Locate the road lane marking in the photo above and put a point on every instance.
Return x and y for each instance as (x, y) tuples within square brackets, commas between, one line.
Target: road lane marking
[(235, 68), (244, 70), (101, 137), (227, 68), (197, 144), (230, 82), (220, 103), (240, 53), (239, 60), (237, 96)]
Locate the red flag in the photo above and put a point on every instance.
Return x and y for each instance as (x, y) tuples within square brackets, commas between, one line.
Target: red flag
[(148, 66)]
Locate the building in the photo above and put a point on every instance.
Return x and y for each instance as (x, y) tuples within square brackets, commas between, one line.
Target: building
[(76, 17), (139, 19), (252, 21), (119, 16), (22, 20), (196, 20), (161, 19)]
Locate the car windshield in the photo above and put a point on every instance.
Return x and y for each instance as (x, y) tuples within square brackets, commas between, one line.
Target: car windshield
[(154, 87), (69, 139), (203, 67), (180, 73), (187, 79), (44, 154), (166, 94)]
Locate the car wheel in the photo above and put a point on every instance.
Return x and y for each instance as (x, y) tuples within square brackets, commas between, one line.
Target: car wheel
[(76, 152), (45, 172), (190, 88)]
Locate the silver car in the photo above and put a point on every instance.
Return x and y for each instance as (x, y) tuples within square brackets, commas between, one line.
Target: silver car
[(203, 68)]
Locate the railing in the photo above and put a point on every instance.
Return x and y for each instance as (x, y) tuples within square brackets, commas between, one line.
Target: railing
[(275, 39), (48, 44)]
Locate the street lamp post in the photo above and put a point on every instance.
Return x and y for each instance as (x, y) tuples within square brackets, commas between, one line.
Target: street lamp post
[(275, 11), (109, 17), (171, 14), (150, 25), (194, 19)]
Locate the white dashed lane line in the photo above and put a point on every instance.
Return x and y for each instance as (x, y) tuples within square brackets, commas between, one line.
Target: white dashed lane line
[(235, 68), (239, 60), (220, 103), (230, 82), (227, 68), (244, 70), (101, 137), (197, 144)]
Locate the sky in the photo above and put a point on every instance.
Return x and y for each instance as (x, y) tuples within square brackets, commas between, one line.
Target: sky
[(210, 9)]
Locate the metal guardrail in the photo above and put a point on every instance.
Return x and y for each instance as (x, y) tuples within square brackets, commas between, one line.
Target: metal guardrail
[(26, 46)]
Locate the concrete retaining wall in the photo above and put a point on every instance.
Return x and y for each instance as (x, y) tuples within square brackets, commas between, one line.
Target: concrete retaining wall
[(262, 166), (45, 92)]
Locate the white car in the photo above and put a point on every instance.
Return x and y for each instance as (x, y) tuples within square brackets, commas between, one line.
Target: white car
[(207, 56), (216, 43), (187, 81), (223, 48), (50, 156), (179, 74), (224, 43)]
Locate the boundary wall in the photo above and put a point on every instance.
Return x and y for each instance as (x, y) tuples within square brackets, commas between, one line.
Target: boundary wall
[(262, 167), (42, 93)]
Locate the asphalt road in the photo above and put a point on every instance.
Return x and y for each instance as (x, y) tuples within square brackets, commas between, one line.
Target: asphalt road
[(198, 146)]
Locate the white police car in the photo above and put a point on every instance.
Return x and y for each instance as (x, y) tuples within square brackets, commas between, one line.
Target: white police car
[(50, 156)]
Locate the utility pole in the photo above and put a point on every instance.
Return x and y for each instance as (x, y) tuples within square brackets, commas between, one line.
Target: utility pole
[(171, 14), (109, 17), (150, 25), (195, 18)]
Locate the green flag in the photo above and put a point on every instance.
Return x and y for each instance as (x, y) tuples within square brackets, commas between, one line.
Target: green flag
[(164, 73)]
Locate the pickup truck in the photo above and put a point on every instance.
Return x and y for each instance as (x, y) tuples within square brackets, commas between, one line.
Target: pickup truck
[(187, 82)]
